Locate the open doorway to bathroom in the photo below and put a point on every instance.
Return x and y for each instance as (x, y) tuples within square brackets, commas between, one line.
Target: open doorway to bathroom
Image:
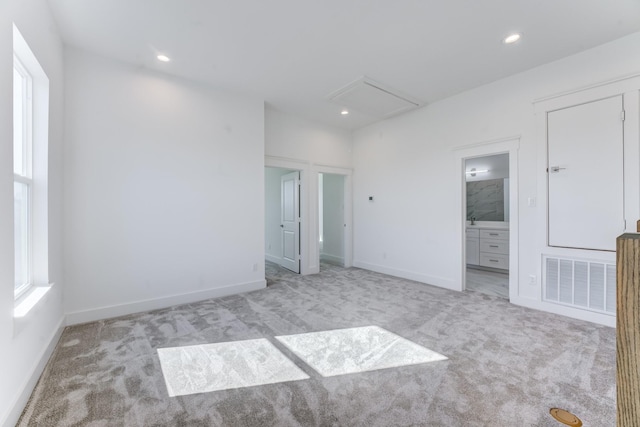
[(487, 204)]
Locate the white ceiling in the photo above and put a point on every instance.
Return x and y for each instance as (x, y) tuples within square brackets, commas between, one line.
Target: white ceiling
[(294, 53)]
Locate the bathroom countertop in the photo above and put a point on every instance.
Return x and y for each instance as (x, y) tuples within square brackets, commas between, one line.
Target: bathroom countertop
[(489, 225)]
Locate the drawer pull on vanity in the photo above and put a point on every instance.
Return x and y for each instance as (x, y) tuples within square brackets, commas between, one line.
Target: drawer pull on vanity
[(493, 246), (494, 260)]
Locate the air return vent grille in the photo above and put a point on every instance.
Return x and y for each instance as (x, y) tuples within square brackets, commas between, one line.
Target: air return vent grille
[(584, 284)]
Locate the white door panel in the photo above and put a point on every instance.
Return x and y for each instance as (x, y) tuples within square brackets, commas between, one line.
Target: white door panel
[(289, 245), (290, 223), (288, 198), (585, 160)]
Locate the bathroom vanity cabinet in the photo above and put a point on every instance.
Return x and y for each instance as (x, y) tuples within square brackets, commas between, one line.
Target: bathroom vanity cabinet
[(488, 247)]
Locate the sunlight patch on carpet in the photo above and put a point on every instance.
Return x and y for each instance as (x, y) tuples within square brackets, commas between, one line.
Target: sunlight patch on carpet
[(353, 350), (221, 366)]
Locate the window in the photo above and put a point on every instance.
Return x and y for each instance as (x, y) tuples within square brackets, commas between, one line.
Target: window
[(22, 181), (30, 171)]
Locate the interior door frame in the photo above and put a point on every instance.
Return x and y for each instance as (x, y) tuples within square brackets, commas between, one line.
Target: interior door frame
[(309, 245), (629, 86), (302, 168), (548, 176), (348, 209), (509, 146)]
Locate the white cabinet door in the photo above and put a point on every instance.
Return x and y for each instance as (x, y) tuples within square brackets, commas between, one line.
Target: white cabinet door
[(585, 159), (473, 250)]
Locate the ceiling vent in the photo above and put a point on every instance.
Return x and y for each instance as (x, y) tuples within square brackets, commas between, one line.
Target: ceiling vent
[(373, 99)]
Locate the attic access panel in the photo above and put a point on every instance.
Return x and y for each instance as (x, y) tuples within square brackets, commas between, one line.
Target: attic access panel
[(586, 175), (373, 99)]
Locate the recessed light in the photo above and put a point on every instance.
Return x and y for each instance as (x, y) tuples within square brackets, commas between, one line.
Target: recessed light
[(512, 38), (163, 58), (344, 112)]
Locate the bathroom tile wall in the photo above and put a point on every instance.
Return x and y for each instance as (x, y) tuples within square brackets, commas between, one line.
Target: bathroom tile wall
[(485, 200)]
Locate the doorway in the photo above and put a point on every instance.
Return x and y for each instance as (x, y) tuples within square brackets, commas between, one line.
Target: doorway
[(510, 147), (282, 217), (487, 224), (331, 219)]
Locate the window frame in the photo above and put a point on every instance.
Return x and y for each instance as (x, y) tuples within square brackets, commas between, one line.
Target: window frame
[(24, 174)]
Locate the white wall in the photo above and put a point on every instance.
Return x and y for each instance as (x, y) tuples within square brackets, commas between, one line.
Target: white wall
[(291, 137), (272, 214), (299, 144), (409, 164), (26, 343), (164, 189), (333, 218)]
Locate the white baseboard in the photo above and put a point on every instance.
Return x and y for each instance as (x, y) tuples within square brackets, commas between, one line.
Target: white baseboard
[(100, 313), (23, 395), (575, 313), (272, 258), (441, 282), (332, 259)]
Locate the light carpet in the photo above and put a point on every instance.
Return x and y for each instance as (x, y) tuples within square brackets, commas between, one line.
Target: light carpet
[(506, 366)]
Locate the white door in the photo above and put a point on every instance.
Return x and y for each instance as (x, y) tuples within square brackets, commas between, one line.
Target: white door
[(290, 221), (585, 158)]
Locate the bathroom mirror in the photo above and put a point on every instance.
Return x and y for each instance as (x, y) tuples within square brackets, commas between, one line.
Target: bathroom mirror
[(488, 188), (486, 200)]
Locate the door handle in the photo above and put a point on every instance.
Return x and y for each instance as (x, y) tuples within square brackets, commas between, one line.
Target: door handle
[(555, 169), (281, 225)]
